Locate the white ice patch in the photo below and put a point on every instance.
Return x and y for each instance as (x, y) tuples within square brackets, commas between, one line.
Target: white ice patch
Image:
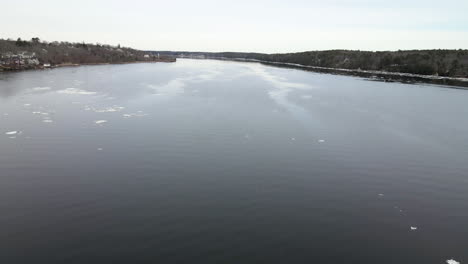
[(381, 194), (100, 121), (321, 140), (137, 114), (12, 133), (27, 104), (452, 261), (413, 228), (105, 109), (40, 89), (47, 121), (75, 91), (100, 149)]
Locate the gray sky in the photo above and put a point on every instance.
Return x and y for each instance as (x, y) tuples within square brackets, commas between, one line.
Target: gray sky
[(243, 25)]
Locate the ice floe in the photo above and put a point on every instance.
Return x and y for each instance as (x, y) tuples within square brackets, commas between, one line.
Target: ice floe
[(381, 194), (13, 132), (452, 261), (27, 105), (47, 121), (100, 122), (413, 228), (100, 149), (321, 141), (75, 91), (105, 109), (40, 89), (137, 114)]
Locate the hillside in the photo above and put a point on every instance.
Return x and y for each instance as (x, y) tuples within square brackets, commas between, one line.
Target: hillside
[(20, 54)]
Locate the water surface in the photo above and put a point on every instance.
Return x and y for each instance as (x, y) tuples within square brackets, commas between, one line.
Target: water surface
[(224, 162)]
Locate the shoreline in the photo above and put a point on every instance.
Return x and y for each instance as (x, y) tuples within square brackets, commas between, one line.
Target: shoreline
[(62, 65), (384, 76)]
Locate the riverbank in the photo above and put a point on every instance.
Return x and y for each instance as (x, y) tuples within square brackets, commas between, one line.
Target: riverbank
[(42, 67), (384, 76)]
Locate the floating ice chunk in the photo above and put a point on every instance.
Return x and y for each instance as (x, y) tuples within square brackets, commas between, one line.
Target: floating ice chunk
[(381, 194), (75, 91), (105, 109), (413, 228), (138, 114), (100, 149), (39, 89), (47, 121), (109, 109), (100, 121), (321, 141), (12, 137), (27, 104), (36, 113), (452, 261), (12, 133)]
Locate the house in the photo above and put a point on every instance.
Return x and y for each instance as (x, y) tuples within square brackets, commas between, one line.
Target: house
[(20, 60)]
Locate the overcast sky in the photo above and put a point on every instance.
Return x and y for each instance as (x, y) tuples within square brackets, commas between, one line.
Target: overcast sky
[(243, 25)]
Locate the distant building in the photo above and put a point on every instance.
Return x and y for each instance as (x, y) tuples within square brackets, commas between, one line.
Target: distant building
[(22, 59)]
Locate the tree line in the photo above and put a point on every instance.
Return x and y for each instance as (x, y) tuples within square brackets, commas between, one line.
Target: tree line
[(56, 53), (450, 63)]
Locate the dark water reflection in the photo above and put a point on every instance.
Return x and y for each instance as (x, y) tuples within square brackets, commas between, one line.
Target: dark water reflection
[(225, 162)]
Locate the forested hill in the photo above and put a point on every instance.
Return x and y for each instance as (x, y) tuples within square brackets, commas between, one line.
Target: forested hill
[(450, 63), (34, 53)]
